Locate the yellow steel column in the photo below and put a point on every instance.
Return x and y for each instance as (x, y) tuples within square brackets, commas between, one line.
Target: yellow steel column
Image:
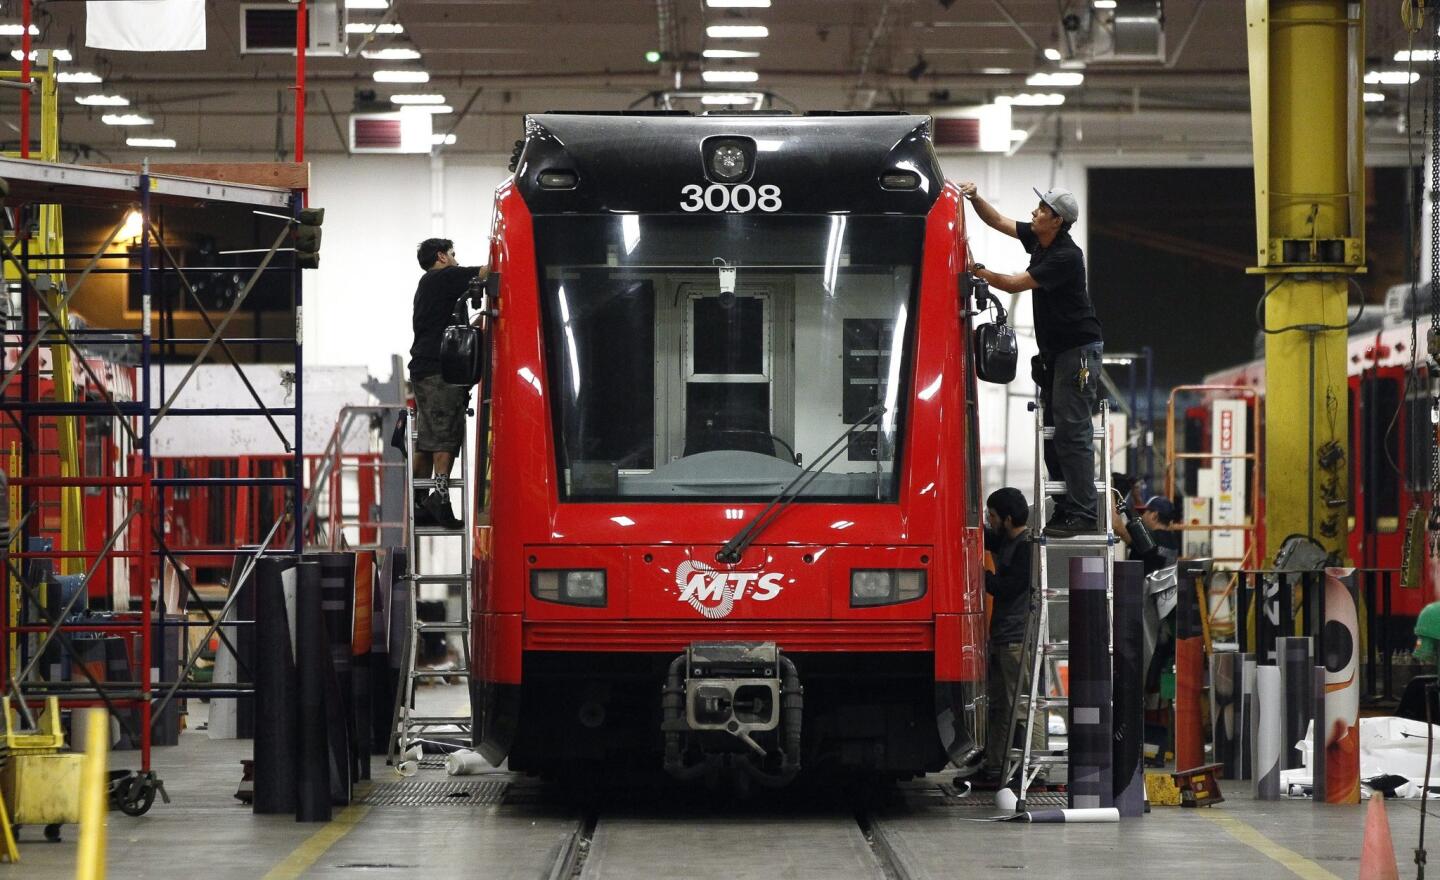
[(1306, 110)]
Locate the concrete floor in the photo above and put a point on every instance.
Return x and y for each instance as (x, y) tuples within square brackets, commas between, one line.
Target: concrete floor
[(206, 833)]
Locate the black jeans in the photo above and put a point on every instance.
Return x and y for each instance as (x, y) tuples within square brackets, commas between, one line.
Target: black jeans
[(1069, 392)]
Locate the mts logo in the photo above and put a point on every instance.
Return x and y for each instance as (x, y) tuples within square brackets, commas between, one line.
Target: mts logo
[(714, 593)]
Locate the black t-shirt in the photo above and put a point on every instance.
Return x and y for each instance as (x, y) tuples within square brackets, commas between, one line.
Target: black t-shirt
[(1064, 316), (1008, 586), (435, 299)]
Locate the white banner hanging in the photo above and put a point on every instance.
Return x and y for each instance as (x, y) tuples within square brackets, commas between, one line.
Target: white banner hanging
[(145, 25)]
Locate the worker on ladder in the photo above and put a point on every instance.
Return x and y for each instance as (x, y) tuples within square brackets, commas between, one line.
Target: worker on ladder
[(1007, 583), (1070, 340), (440, 408)]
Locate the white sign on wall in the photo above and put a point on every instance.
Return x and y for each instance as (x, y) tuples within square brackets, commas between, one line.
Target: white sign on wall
[(1227, 439)]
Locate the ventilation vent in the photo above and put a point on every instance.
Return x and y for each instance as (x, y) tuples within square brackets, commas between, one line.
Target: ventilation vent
[(269, 28), (957, 132), (401, 132)]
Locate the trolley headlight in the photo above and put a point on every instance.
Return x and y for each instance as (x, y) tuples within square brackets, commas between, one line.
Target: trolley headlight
[(581, 587), (885, 586)]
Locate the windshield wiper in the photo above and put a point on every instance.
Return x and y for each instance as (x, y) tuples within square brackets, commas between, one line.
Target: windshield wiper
[(734, 548)]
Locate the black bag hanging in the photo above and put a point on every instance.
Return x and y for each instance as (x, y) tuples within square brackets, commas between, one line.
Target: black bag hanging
[(461, 349)]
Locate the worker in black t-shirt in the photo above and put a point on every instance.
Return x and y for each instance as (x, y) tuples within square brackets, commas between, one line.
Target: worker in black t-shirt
[(1007, 583), (440, 407), (1068, 368)]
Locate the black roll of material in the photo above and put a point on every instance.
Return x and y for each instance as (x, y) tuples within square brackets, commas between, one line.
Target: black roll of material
[(1317, 735), (276, 691), (312, 661), (1296, 680), (1090, 691), (337, 595), (1128, 686), (1226, 672)]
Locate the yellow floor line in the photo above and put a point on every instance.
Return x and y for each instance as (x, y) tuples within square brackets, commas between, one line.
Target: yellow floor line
[(317, 844), (1238, 829)]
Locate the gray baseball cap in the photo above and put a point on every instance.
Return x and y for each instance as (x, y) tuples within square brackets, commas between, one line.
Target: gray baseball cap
[(1062, 202)]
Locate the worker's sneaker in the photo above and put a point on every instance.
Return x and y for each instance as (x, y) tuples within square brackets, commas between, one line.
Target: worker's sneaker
[(438, 506), (1068, 525)]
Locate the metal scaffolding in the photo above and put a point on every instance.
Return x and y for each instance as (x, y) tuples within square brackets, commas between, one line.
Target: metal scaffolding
[(34, 630)]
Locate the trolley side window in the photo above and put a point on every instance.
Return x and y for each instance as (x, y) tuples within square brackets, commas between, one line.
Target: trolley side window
[(1380, 451), (1419, 439)]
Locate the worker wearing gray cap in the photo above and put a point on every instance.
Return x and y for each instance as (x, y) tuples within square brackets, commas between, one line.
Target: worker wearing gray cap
[(1068, 368)]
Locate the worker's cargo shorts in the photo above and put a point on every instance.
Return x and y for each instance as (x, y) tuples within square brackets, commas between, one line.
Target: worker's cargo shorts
[(440, 415)]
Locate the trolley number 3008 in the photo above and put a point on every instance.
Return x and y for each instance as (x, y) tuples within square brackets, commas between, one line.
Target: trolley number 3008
[(741, 198)]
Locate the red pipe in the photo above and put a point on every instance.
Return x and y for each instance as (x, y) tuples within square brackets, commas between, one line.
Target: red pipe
[(25, 79), (302, 39)]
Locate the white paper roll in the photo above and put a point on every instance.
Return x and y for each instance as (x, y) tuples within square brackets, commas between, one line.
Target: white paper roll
[(1079, 814), (465, 763), (1268, 713)]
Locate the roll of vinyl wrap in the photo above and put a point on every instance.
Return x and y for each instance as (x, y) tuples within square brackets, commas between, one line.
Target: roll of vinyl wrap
[(1341, 647), (1317, 735), (276, 696), (465, 763), (1128, 679), (1266, 730), (311, 655), (1189, 674), (1093, 814), (1248, 663), (1227, 692), (1090, 694), (1296, 682)]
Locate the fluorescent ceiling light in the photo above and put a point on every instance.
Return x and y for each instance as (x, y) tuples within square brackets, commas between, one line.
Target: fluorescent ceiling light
[(727, 100), (57, 54), (1373, 97), (1052, 54), (428, 108), (1061, 79), (1415, 55), (729, 76), (729, 53), (17, 30), (365, 27), (162, 143), (126, 119), (1103, 4), (738, 4), (102, 100), (78, 76), (1032, 99), (417, 99), (736, 31), (367, 4), (401, 76), (442, 139), (394, 53), (1390, 78), (996, 71)]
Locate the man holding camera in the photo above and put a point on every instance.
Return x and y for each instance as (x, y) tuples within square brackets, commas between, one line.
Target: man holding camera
[(1069, 335), (440, 408)]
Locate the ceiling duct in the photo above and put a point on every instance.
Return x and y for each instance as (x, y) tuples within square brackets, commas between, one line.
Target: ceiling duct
[(269, 28), (1134, 31)]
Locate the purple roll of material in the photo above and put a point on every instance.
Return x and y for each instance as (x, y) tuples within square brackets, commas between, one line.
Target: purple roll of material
[(1296, 680), (1091, 780), (1128, 686)]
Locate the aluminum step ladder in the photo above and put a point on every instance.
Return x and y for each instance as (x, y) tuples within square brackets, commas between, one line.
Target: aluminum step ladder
[(1041, 650), (411, 730)]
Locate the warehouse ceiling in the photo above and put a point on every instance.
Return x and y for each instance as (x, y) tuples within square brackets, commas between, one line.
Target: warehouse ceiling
[(1184, 92)]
